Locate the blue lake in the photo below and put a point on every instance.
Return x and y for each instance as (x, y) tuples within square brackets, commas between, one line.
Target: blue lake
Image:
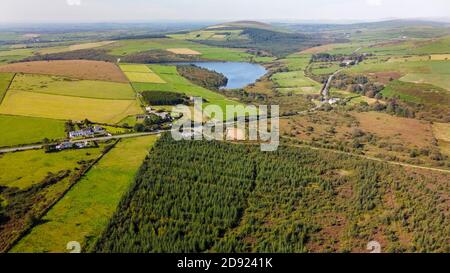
[(239, 74)]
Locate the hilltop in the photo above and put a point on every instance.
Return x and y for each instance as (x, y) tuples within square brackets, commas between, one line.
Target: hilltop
[(261, 38)]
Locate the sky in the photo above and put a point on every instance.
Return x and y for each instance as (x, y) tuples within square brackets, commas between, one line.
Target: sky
[(29, 11)]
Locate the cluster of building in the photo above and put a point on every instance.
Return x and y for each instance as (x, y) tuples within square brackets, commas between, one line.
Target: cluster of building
[(88, 132), (70, 145), (149, 110)]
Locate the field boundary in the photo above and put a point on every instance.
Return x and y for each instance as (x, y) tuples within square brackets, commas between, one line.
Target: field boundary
[(76, 179), (7, 88)]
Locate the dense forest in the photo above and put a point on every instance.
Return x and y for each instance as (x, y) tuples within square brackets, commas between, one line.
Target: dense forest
[(164, 98), (203, 77), (195, 196)]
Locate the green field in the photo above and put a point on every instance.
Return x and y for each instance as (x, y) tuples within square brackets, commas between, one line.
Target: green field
[(417, 93), (140, 73), (325, 68), (295, 82), (436, 73), (439, 80), (14, 55), (177, 83), (126, 47), (17, 130), (85, 210), (24, 169), (216, 35), (33, 104), (70, 87), (296, 62), (439, 46)]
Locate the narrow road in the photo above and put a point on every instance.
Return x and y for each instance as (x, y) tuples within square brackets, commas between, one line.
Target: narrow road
[(40, 146), (326, 89)]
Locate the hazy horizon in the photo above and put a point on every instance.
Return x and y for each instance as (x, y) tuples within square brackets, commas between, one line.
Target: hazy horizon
[(135, 11)]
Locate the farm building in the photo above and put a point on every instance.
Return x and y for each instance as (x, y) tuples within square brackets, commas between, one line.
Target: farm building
[(88, 132)]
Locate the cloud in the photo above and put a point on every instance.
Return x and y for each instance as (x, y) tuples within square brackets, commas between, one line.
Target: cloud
[(374, 3), (74, 2)]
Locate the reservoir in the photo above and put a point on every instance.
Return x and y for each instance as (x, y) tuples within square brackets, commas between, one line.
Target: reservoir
[(239, 74)]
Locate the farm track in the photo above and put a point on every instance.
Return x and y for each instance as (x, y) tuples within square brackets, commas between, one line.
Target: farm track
[(369, 158)]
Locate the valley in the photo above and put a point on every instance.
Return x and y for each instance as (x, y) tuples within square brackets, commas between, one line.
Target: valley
[(86, 153)]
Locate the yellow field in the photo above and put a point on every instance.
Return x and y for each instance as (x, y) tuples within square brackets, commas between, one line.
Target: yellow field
[(440, 57), (143, 77), (62, 107), (140, 73), (61, 49), (140, 68), (89, 45), (319, 49), (184, 51), (442, 131)]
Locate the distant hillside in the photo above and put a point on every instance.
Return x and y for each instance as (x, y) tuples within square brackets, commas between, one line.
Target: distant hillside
[(242, 24), (262, 38), (389, 24)]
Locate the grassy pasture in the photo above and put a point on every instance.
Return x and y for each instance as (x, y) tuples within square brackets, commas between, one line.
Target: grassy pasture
[(436, 73), (5, 80), (297, 62), (217, 35), (17, 130), (14, 55), (68, 48), (295, 82), (417, 93), (24, 169), (71, 87), (126, 47), (439, 80), (325, 68), (85, 210), (177, 83), (63, 107), (436, 46)]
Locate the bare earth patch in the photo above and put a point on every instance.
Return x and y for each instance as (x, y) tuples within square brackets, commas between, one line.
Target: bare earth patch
[(385, 77), (89, 45), (399, 129), (79, 69), (442, 131), (184, 51), (319, 49), (442, 134)]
